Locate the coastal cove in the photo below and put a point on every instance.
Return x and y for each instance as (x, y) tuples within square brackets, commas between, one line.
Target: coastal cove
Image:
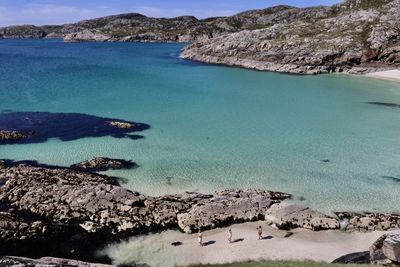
[(212, 127)]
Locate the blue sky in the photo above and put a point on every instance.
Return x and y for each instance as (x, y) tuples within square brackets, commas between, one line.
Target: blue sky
[(41, 12)]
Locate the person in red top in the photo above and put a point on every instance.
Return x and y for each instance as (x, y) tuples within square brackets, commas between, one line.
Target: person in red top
[(259, 229)]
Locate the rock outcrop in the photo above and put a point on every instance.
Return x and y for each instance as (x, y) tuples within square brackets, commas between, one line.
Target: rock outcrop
[(46, 261), (11, 136), (287, 216), (103, 164), (41, 205), (384, 252), (121, 125), (356, 36), (369, 221), (21, 32), (227, 207), (37, 202), (386, 249)]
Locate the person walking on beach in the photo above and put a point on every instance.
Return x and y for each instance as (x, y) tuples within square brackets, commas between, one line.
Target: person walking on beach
[(230, 236), (259, 229), (200, 238)]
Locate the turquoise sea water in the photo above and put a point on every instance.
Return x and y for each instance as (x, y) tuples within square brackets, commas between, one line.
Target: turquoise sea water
[(213, 127)]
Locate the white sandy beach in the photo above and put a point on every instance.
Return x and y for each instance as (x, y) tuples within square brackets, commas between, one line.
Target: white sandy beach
[(157, 250), (390, 75)]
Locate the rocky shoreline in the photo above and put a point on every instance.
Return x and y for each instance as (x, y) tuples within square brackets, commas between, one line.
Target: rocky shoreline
[(356, 36), (40, 205), (352, 37)]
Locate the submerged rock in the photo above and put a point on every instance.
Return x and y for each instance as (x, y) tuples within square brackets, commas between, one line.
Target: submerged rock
[(287, 216), (103, 164)]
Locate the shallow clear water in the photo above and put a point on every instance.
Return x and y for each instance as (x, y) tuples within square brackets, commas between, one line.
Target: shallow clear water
[(212, 127)]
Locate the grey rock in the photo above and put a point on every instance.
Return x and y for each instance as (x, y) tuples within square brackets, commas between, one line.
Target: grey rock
[(391, 246), (227, 207), (354, 258), (87, 35), (46, 261), (103, 164), (366, 222), (21, 32), (11, 136), (354, 37), (95, 204), (386, 250), (287, 216)]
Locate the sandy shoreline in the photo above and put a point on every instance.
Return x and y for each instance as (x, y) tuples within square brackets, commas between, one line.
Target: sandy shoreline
[(156, 249), (389, 75)]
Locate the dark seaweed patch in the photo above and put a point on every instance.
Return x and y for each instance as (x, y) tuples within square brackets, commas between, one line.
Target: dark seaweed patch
[(392, 178), (41, 126), (390, 105)]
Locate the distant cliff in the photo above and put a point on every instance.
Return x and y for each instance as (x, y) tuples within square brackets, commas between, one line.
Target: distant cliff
[(356, 36)]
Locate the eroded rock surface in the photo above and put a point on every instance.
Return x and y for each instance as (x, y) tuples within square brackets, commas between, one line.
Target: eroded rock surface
[(366, 222), (357, 36), (103, 164), (11, 136), (386, 250), (227, 207), (46, 261), (287, 216), (38, 200)]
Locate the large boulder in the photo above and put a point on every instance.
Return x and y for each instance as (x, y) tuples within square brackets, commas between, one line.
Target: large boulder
[(386, 250), (227, 207), (287, 216), (391, 246)]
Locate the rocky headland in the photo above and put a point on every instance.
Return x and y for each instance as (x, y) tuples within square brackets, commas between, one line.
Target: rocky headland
[(356, 36), (43, 205)]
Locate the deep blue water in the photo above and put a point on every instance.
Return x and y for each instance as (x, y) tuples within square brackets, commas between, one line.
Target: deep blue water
[(212, 127)]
